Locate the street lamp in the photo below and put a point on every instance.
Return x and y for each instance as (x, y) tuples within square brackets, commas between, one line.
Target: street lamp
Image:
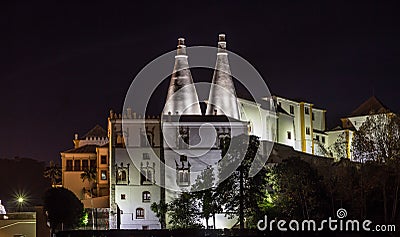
[(20, 202)]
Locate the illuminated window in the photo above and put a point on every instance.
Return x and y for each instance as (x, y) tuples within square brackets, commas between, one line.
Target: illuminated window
[(308, 130), (123, 196), (146, 196), (139, 213), (103, 160), (103, 175), (69, 165), (289, 135), (77, 165), (291, 109), (307, 110)]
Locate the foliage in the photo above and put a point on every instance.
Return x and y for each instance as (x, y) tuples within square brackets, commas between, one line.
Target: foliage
[(378, 139), (241, 194), (376, 145), (296, 190), (90, 176), (62, 207), (205, 194), (184, 212), (53, 172), (338, 149), (160, 209)]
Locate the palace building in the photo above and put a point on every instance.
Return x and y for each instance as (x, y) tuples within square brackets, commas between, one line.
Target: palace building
[(141, 160)]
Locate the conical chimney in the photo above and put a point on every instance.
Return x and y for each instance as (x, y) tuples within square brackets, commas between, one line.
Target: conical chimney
[(182, 96), (222, 99)]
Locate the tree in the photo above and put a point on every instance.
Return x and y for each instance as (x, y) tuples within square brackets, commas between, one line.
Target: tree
[(63, 208), (184, 212), (376, 146), (90, 176), (338, 149), (240, 194), (297, 190), (378, 139), (160, 209), (53, 172), (205, 194)]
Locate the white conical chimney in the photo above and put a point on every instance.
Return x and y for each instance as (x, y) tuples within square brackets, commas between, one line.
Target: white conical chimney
[(182, 96), (222, 99)]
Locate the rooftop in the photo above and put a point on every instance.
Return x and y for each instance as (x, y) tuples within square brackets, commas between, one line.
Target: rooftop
[(97, 131), (83, 149), (370, 106)]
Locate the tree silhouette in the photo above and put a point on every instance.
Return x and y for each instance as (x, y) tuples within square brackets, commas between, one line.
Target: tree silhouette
[(90, 176), (184, 212), (63, 208), (53, 172), (239, 193)]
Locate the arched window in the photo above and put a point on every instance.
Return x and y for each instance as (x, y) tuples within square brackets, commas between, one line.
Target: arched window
[(146, 196), (139, 213)]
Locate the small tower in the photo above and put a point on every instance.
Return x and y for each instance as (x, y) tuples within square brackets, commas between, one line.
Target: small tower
[(182, 97), (222, 99)]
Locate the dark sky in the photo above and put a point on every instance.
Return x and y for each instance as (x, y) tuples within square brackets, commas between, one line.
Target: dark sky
[(64, 65)]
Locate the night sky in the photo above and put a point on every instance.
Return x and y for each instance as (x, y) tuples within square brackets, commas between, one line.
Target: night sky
[(65, 65)]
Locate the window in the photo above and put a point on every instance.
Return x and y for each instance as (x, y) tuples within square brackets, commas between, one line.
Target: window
[(323, 140), (145, 227), (291, 109), (77, 165), (139, 213), (183, 177), (103, 160), (146, 196), (104, 175), (183, 158), (123, 196), (317, 138), (85, 164), (147, 174), (289, 135), (121, 175), (312, 116), (146, 156), (307, 110), (93, 164), (308, 130), (69, 165)]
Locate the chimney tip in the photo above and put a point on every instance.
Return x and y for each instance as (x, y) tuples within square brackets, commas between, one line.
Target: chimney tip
[(181, 41), (221, 37)]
